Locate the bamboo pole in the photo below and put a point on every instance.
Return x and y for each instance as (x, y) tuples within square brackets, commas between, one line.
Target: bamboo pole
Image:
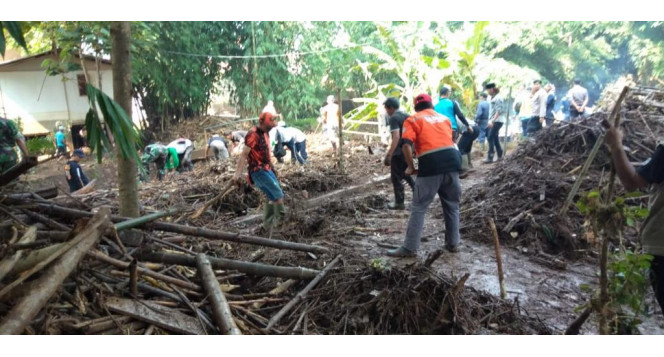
[(302, 294), (196, 231), (133, 277), (341, 136), (507, 118), (221, 312), (8, 263), (225, 191), (499, 260), (63, 248), (33, 300), (604, 255), (139, 221), (228, 264), (147, 272)]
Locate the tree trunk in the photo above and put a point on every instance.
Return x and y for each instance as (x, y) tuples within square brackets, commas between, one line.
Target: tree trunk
[(127, 168)]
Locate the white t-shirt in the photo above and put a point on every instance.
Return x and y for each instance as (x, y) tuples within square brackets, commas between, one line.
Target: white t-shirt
[(294, 133), (181, 145)]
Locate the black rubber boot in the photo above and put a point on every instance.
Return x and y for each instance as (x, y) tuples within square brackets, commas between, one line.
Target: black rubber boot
[(399, 197)]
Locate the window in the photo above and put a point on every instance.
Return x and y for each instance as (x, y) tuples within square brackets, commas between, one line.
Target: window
[(81, 85)]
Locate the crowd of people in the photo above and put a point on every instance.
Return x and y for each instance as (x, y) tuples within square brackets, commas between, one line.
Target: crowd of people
[(439, 136)]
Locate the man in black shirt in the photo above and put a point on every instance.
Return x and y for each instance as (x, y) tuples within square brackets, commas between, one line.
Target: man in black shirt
[(649, 175), (73, 172), (394, 156)]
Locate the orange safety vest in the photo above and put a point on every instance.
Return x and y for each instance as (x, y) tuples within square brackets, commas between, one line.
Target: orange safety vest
[(428, 131)]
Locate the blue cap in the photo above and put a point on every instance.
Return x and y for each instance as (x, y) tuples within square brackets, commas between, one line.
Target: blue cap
[(79, 153)]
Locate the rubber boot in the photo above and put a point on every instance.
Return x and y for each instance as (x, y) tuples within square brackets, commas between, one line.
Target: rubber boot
[(278, 214), (399, 197), (465, 162), (268, 217)]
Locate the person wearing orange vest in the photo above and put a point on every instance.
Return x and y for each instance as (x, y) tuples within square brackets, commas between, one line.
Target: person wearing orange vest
[(430, 134)]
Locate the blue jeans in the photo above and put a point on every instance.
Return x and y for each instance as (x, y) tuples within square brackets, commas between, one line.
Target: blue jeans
[(267, 182), (483, 132), (524, 126), (301, 151)]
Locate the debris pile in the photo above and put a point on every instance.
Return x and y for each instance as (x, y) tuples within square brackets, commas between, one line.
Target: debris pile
[(408, 300), (525, 192)]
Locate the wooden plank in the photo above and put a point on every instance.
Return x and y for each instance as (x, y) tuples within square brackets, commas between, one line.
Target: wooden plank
[(156, 314)]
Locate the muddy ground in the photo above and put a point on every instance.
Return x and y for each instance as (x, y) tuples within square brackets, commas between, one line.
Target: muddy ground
[(362, 228)]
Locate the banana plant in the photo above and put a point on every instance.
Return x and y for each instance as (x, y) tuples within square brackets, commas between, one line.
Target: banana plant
[(119, 123)]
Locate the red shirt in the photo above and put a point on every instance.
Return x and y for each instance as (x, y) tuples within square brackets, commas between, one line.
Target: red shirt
[(259, 156)]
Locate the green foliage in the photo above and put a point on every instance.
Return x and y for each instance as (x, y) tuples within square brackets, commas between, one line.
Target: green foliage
[(304, 124), (15, 31), (41, 146), (120, 124), (380, 265), (626, 271), (628, 285), (614, 216)]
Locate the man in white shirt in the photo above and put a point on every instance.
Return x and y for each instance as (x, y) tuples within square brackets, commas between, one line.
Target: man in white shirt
[(330, 115), (578, 97), (292, 138), (184, 148), (538, 114)]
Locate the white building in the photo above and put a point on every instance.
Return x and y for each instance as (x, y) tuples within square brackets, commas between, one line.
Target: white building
[(40, 100)]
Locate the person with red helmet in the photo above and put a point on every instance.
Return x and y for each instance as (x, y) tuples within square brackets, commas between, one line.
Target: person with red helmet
[(439, 161), (261, 173)]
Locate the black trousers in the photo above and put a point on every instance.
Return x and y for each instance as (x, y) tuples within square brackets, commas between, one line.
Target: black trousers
[(534, 125), (398, 168), (494, 140), (657, 279), (465, 144), (574, 114)]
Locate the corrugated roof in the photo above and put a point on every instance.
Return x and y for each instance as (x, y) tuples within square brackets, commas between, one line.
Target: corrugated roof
[(47, 53)]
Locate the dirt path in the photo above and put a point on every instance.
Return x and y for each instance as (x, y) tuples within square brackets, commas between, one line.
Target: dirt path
[(552, 295)]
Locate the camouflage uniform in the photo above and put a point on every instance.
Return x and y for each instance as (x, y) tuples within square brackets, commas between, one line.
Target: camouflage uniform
[(8, 135), (158, 154)]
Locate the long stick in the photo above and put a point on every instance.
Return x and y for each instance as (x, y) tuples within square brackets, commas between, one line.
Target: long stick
[(225, 191), (301, 295), (29, 306), (196, 231), (593, 153), (228, 264), (221, 312), (604, 256), (8, 263), (147, 272), (62, 249), (499, 260)]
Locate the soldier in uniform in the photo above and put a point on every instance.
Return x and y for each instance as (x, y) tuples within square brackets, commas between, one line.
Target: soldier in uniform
[(10, 136)]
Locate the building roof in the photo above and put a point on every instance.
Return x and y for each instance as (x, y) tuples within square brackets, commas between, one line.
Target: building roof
[(26, 63)]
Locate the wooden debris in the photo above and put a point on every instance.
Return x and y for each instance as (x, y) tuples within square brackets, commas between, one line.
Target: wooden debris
[(499, 259), (221, 311), (9, 262), (244, 267), (29, 306), (155, 314), (302, 294)]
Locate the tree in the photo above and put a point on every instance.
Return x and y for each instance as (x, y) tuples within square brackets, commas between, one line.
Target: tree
[(127, 165)]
